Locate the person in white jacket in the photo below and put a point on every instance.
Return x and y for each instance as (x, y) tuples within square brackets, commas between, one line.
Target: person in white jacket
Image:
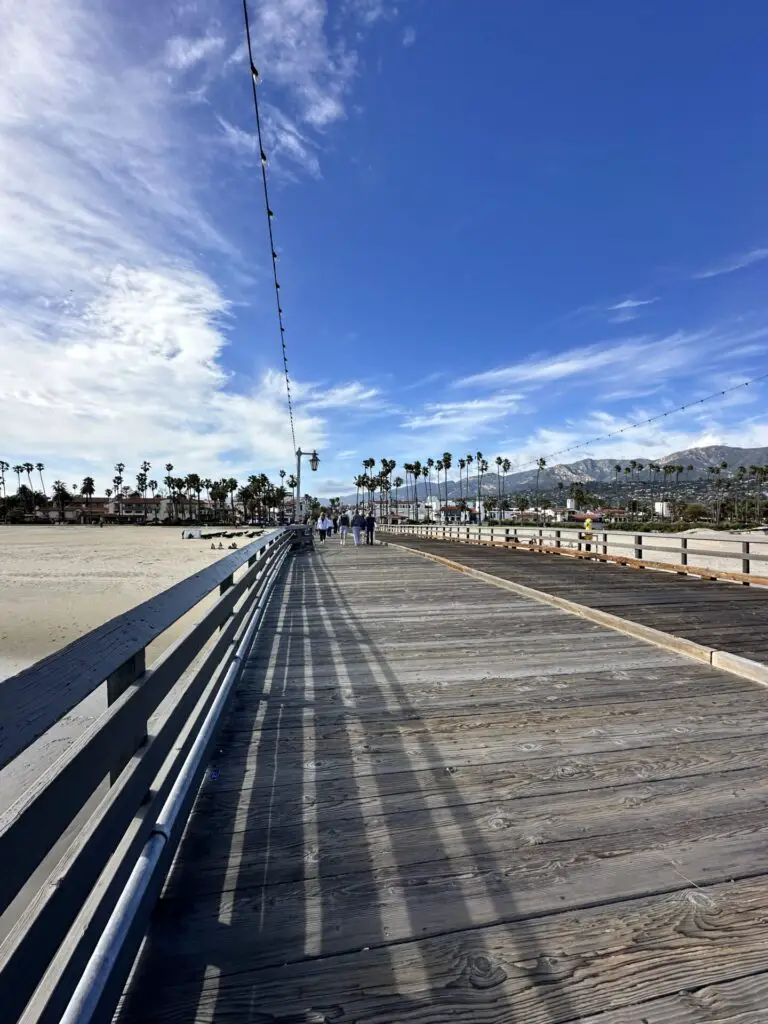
[(324, 527)]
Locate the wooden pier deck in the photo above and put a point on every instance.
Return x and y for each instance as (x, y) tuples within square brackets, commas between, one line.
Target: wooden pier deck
[(722, 615), (437, 801)]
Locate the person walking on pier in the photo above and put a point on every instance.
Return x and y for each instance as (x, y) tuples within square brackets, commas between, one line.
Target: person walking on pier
[(343, 527), (358, 525), (324, 527), (370, 526)]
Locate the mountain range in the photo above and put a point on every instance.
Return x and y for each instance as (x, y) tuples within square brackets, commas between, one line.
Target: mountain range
[(591, 471)]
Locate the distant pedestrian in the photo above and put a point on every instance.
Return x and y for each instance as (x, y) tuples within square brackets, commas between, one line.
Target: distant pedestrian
[(370, 526), (335, 522), (343, 527), (358, 526), (324, 527)]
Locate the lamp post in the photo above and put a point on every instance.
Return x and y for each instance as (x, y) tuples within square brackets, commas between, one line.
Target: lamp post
[(314, 462)]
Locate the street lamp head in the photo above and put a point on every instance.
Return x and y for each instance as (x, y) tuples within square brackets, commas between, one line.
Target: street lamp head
[(314, 461)]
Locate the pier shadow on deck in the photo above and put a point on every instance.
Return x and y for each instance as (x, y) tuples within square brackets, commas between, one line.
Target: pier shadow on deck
[(402, 824)]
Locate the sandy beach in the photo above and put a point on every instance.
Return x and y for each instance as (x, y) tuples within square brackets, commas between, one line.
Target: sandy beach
[(58, 582)]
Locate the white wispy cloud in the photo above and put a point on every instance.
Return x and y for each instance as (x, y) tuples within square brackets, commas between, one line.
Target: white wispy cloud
[(653, 357), (463, 416), (632, 303), (739, 262), (297, 55), (369, 11), (307, 63), (409, 35), (113, 336), (351, 395), (182, 53)]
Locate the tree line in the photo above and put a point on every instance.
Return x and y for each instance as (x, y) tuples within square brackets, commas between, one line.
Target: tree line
[(256, 497)]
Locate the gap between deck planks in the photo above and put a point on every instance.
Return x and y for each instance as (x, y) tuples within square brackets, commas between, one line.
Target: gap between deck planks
[(393, 838)]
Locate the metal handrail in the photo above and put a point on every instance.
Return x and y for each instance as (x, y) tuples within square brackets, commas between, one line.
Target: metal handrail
[(56, 935)]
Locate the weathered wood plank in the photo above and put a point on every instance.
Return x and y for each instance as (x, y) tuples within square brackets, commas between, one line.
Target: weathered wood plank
[(742, 1001), (277, 924), (560, 968), (397, 816), (662, 600), (486, 829)]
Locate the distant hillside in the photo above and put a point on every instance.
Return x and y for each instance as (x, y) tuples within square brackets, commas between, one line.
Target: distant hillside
[(594, 471)]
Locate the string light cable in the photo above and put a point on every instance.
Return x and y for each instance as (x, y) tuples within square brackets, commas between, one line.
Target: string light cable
[(644, 423), (255, 80)]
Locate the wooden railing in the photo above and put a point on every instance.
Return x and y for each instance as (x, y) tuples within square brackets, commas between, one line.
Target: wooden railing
[(710, 557), (152, 744)]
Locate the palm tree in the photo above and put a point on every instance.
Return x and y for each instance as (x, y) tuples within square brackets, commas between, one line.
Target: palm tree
[(469, 459), (88, 489), (118, 482), (232, 487), (3, 467), (447, 461), (499, 463), (359, 484), (479, 457), (616, 471), (439, 468), (397, 483), (18, 470), (628, 474), (506, 466), (462, 467), (61, 495), (425, 474), (168, 481), (40, 467), (153, 487), (540, 464), (416, 470), (430, 465), (145, 468)]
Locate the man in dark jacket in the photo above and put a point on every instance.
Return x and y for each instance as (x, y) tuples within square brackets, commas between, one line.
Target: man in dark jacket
[(370, 526), (344, 527), (358, 525)]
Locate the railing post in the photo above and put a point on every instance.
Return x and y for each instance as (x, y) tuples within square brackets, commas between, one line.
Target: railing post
[(745, 560), (117, 684), (557, 538), (638, 545), (605, 542), (683, 551)]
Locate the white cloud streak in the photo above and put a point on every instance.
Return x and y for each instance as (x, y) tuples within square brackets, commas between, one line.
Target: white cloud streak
[(182, 53), (632, 304), (652, 357), (409, 35), (296, 55), (463, 416), (112, 338), (733, 264)]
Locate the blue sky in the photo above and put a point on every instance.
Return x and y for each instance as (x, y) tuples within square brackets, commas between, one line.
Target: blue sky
[(505, 226)]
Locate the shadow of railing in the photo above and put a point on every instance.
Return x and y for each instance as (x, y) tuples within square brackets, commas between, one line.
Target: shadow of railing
[(301, 876)]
